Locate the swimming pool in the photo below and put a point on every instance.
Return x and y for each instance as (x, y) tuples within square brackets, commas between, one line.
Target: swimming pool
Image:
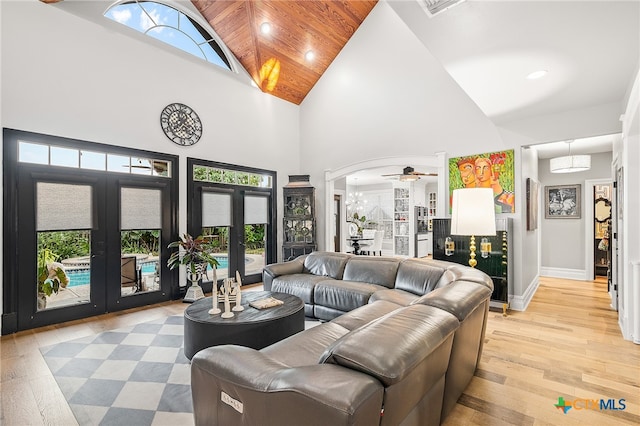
[(83, 276)]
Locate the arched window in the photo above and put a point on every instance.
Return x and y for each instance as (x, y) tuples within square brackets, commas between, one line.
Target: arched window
[(170, 26)]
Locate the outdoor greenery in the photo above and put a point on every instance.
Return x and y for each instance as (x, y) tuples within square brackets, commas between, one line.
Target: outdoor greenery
[(68, 244), (64, 244), (209, 174), (254, 238), (147, 242)]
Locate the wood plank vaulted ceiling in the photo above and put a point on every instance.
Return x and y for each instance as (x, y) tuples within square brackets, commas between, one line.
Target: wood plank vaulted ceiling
[(276, 61)]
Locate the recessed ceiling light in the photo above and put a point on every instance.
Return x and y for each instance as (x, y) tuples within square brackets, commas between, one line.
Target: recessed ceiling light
[(537, 74), (309, 56), (265, 28)]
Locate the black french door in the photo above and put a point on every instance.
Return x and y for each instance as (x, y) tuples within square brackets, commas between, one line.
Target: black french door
[(82, 242), (238, 217), (47, 218)]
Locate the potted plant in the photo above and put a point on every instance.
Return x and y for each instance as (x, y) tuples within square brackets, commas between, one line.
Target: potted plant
[(360, 221), (195, 254), (51, 276)]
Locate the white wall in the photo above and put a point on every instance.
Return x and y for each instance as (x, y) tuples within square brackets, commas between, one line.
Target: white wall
[(526, 250)]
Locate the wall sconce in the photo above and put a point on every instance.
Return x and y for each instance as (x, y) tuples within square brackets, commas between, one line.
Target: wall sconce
[(485, 247), (449, 246), (473, 213)]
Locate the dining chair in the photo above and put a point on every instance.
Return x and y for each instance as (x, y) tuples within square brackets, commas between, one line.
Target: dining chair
[(376, 245), (365, 245)]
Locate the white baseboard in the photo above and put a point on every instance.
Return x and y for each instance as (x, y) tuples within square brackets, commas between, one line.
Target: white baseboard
[(520, 303), (568, 274)]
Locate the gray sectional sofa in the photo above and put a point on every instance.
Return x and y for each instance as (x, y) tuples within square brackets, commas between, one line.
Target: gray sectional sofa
[(399, 342)]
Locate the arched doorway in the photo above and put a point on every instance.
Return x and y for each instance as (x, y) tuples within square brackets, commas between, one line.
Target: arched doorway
[(435, 163)]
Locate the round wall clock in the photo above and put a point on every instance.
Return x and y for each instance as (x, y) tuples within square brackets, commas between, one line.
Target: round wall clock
[(181, 124)]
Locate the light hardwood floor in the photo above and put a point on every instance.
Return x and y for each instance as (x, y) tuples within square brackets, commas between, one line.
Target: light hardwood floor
[(566, 344)]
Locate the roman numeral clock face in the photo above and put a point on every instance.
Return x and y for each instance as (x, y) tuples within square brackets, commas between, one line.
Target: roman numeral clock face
[(181, 124)]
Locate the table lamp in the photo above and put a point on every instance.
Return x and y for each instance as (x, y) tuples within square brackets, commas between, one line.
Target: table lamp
[(473, 213)]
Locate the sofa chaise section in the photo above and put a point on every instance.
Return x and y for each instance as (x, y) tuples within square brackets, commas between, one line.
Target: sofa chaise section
[(352, 382)]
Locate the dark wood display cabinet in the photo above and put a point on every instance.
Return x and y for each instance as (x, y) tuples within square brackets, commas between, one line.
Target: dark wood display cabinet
[(496, 265), (299, 218)]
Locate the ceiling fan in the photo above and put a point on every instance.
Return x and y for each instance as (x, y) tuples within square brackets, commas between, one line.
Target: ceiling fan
[(409, 174)]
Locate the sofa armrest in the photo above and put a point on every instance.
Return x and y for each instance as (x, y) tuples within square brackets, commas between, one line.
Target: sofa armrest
[(274, 270), (239, 385)]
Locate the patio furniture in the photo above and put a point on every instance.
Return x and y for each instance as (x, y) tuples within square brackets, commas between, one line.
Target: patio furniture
[(129, 273)]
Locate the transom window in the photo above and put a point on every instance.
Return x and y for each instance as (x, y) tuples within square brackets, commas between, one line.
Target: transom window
[(232, 177), (37, 153), (170, 26)]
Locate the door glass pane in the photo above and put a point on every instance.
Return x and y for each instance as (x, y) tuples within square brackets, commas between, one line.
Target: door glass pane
[(255, 239), (139, 261), (140, 223), (256, 217), (219, 236), (93, 160), (33, 153), (63, 268), (66, 157), (118, 163)]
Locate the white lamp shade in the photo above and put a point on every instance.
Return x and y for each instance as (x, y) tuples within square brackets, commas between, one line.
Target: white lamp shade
[(473, 212), (570, 164)]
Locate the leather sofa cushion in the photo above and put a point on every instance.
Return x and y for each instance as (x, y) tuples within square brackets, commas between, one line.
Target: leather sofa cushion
[(365, 314), (324, 313), (395, 343), (372, 270), (307, 347), (457, 272), (343, 295), (300, 285), (459, 298), (399, 297), (327, 264), (418, 276)]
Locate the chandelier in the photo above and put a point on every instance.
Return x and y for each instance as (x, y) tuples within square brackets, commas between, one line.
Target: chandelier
[(570, 163), (355, 201)]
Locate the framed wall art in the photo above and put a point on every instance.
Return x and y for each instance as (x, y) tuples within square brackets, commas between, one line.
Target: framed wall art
[(562, 202), (490, 170)]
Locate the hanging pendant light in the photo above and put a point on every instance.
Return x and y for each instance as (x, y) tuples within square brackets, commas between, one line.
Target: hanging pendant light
[(355, 201), (570, 163)]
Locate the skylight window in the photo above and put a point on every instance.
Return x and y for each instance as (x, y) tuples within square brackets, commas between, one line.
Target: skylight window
[(171, 26)]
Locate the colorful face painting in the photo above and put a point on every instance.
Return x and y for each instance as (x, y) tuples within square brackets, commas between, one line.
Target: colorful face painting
[(492, 170)]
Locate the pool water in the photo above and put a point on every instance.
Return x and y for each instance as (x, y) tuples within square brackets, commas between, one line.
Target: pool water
[(83, 276)]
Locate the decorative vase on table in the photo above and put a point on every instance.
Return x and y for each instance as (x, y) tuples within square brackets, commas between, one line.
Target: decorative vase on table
[(194, 275)]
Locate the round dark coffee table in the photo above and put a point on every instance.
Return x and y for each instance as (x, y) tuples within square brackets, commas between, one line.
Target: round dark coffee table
[(254, 328)]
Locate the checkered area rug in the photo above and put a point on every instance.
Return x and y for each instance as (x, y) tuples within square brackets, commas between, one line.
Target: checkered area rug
[(133, 376)]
